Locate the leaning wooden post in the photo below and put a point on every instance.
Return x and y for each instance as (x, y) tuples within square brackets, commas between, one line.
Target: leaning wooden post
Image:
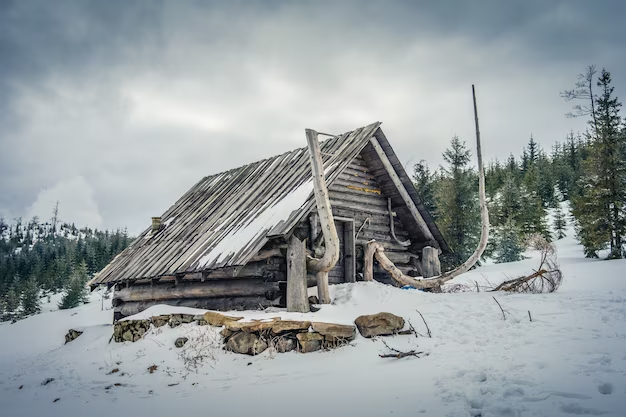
[(331, 240), (368, 262), (431, 267), (297, 299)]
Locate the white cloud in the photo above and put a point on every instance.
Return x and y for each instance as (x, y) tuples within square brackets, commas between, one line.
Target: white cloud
[(76, 203)]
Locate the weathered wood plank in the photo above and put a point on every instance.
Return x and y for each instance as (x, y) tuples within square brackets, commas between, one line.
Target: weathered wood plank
[(350, 252), (430, 262), (403, 192), (297, 299)]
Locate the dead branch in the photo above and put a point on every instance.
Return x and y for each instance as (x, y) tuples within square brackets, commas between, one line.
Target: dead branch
[(412, 330), (530, 317), (501, 309), (547, 278), (399, 354), (424, 320)]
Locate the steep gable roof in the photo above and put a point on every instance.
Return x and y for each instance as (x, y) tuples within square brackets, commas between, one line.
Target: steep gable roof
[(225, 219)]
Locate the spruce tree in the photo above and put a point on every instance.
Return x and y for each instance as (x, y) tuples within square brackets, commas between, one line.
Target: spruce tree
[(599, 209), (31, 304), (456, 200), (508, 242), (12, 301), (423, 181), (76, 291), (559, 223)]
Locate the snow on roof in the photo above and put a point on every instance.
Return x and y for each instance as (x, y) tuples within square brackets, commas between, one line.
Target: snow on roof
[(225, 219)]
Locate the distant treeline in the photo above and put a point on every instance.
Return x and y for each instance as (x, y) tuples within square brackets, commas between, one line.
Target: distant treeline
[(37, 259)]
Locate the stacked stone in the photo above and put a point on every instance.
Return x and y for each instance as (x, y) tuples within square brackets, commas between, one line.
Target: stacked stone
[(133, 330), (254, 337), (130, 330), (71, 335)]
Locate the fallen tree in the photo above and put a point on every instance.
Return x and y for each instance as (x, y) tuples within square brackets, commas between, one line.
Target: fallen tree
[(547, 278)]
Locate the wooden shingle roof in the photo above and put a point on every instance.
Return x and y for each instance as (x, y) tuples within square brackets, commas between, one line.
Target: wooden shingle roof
[(225, 219)]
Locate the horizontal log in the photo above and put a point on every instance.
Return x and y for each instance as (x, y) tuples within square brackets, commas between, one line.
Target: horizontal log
[(221, 304), (358, 173), (347, 195), (388, 245), (349, 181), (358, 207), (406, 269), (208, 289), (400, 257)]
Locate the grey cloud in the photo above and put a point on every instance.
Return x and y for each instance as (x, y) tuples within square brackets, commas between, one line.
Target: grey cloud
[(141, 99)]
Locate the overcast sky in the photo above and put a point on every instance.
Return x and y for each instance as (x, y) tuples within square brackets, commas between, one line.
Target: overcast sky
[(116, 108)]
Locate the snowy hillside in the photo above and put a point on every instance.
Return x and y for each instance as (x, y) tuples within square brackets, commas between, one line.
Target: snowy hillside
[(570, 360)]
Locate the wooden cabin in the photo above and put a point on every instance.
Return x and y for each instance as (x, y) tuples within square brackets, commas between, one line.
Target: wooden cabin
[(223, 244)]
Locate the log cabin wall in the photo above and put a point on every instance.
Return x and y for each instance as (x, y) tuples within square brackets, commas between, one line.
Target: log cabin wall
[(259, 284), (357, 194)]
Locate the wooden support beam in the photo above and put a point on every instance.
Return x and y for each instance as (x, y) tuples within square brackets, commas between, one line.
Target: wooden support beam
[(368, 263), (349, 250), (401, 190), (324, 210), (314, 230), (297, 299), (431, 267)]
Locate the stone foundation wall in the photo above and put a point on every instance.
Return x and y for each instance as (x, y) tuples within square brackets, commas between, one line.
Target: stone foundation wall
[(254, 337)]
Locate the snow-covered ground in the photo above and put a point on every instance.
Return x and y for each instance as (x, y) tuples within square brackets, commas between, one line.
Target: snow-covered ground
[(570, 360)]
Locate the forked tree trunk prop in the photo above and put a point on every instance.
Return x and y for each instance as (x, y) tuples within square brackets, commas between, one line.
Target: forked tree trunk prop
[(436, 282), (331, 240)]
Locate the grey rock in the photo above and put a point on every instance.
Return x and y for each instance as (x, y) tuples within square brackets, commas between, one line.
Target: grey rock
[(246, 343), (381, 324), (72, 335), (180, 342)]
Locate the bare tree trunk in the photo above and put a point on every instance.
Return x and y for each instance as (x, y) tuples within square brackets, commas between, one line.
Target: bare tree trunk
[(436, 282), (331, 239)]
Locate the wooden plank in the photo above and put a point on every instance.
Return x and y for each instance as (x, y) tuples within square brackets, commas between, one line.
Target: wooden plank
[(297, 299), (430, 262), (350, 252), (403, 193)]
